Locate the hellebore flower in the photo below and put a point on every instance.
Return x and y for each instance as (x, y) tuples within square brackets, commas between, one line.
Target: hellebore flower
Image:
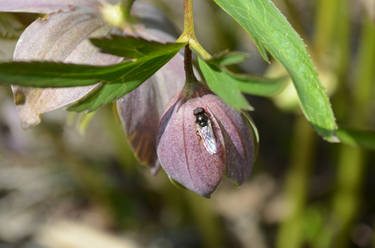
[(62, 36), (201, 138)]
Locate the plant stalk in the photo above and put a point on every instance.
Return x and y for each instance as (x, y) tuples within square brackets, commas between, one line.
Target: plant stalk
[(352, 162), (188, 65), (290, 234), (188, 18), (326, 18), (188, 36), (127, 6)]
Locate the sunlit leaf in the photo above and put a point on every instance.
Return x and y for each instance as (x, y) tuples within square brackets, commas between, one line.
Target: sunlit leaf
[(50, 74), (271, 30), (229, 86), (221, 83), (129, 80)]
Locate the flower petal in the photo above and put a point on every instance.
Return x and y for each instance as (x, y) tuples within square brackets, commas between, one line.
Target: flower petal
[(140, 110), (62, 37), (182, 153), (43, 6), (153, 22), (239, 139)]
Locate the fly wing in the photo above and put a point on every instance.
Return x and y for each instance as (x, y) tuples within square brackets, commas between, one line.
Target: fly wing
[(208, 138)]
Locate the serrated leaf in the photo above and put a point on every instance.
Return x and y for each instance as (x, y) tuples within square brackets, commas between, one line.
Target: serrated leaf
[(130, 80), (228, 58), (262, 50), (229, 85), (50, 74), (220, 83), (259, 86), (55, 75), (357, 138), (134, 48), (271, 30)]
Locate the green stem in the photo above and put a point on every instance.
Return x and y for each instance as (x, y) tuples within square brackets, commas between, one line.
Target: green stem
[(343, 46), (290, 234), (347, 197), (188, 18), (352, 160), (188, 35), (188, 64), (126, 6), (196, 46), (325, 24)]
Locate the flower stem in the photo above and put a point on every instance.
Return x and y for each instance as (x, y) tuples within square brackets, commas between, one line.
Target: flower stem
[(126, 6), (188, 35), (188, 18), (189, 73), (352, 161), (297, 181)]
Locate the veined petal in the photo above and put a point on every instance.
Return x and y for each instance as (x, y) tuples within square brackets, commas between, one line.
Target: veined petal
[(61, 37), (44, 6), (140, 110), (201, 137), (239, 139), (182, 153)]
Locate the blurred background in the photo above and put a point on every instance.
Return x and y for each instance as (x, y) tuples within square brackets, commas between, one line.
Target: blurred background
[(73, 181)]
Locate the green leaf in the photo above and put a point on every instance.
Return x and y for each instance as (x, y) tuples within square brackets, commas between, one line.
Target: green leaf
[(229, 86), (228, 58), (130, 80), (116, 80), (262, 50), (50, 74), (259, 86), (270, 30), (220, 83), (128, 46), (357, 138)]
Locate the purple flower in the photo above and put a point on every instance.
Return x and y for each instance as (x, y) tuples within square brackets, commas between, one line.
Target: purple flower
[(63, 36), (201, 138)]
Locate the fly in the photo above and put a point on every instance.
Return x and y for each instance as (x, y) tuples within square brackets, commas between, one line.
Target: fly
[(205, 131)]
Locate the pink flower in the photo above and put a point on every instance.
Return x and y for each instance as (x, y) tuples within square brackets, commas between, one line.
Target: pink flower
[(63, 35), (201, 138)]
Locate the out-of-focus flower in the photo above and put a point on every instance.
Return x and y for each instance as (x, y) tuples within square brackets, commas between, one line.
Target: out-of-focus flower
[(62, 36), (369, 6), (201, 138), (59, 37)]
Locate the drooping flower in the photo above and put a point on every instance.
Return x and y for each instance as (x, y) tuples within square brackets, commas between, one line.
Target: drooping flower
[(201, 138), (62, 36)]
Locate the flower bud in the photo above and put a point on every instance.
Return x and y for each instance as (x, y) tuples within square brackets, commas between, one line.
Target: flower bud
[(201, 138)]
